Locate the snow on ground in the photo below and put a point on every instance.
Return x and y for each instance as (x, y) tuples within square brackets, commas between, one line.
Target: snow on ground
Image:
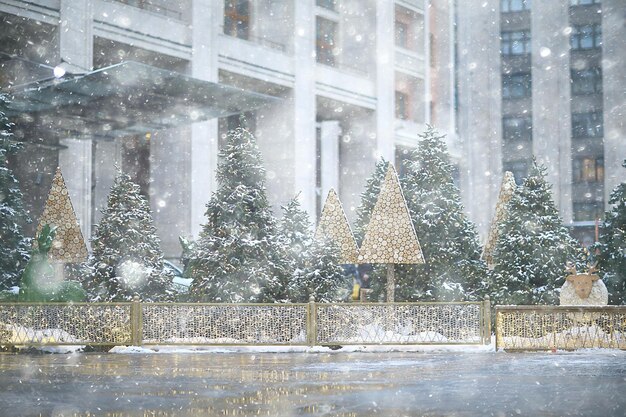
[(305, 349)]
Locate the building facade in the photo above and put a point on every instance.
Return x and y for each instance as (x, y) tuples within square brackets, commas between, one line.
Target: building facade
[(544, 79), (355, 80)]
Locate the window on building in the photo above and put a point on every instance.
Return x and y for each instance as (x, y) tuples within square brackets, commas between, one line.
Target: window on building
[(518, 168), (237, 18), (514, 5), (586, 37), (587, 81), (588, 169), (588, 211), (515, 43), (402, 34), (402, 105), (327, 4), (325, 41), (517, 128), (587, 125), (516, 85), (583, 2)]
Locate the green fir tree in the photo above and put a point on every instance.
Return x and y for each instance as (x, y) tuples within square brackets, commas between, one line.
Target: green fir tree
[(297, 237), (14, 247), (127, 260), (449, 241), (238, 256), (321, 276), (533, 246), (612, 246)]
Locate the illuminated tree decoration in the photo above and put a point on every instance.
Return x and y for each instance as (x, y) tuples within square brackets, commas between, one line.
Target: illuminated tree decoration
[(506, 192), (334, 225), (390, 237), (68, 245)]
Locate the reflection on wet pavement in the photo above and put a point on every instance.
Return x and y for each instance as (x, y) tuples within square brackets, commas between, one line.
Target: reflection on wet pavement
[(301, 384)]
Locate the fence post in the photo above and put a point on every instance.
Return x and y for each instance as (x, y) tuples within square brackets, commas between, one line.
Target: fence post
[(311, 327), (136, 322), (487, 323)]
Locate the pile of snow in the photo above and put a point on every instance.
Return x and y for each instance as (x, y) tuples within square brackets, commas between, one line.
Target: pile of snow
[(21, 336), (306, 349)]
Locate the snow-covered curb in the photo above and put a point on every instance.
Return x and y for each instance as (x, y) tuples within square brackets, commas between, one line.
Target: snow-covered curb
[(306, 349)]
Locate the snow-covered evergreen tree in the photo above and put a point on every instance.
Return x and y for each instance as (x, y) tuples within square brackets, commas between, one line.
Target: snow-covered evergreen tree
[(14, 247), (612, 246), (533, 246), (297, 237), (238, 253), (321, 277), (453, 268), (127, 260)]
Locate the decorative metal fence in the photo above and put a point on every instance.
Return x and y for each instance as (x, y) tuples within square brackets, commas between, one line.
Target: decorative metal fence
[(243, 324), (401, 323), (567, 328), (66, 324), (225, 324)]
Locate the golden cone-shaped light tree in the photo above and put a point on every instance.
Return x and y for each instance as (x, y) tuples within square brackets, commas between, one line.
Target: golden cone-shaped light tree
[(506, 192), (334, 225), (390, 237), (68, 245)]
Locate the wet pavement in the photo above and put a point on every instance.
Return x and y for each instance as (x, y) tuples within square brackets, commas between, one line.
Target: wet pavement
[(314, 384)]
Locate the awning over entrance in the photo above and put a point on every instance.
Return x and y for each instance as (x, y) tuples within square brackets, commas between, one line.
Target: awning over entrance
[(125, 99)]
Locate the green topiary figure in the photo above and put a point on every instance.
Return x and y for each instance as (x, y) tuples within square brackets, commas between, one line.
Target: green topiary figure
[(14, 247), (41, 282), (238, 253), (127, 260), (533, 246), (449, 241), (612, 246)]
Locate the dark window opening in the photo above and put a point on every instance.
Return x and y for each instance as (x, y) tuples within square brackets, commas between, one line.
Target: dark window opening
[(237, 18), (516, 85), (402, 105), (586, 37), (514, 5), (587, 125), (515, 43), (517, 128), (588, 169), (325, 41), (589, 211), (587, 81)]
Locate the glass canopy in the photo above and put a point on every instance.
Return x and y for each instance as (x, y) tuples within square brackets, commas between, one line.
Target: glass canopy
[(126, 99)]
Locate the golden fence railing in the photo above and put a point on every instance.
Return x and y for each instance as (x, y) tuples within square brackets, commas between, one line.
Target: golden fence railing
[(65, 324), (560, 327), (401, 323), (310, 324)]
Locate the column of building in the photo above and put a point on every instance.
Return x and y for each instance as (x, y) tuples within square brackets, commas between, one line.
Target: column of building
[(206, 22), (304, 103), (551, 126), (480, 109), (614, 86), (75, 155)]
